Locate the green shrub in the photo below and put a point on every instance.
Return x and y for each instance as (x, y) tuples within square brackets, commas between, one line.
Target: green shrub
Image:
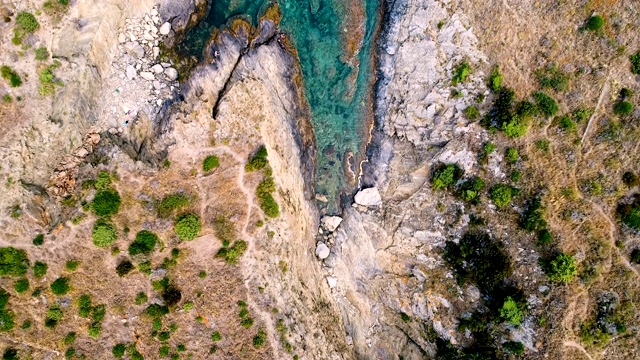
[(144, 243), (544, 237), (511, 155), (461, 73), (39, 269), (7, 320), (260, 338), (591, 333), (103, 181), (104, 233), (216, 336), (53, 316), (106, 202), (21, 285), (10, 75), (516, 127), (70, 338), (471, 113), (95, 329), (479, 258), (501, 194), (141, 298), (156, 310), (543, 144), (10, 354), (188, 226), (533, 218), (635, 63), (72, 265), (515, 175), (269, 206), (84, 305), (60, 286), (581, 114), (171, 203), (42, 53), (635, 256), (124, 267), (623, 108), (495, 80), (258, 161), (470, 190), (446, 175), (233, 253), (567, 124), (553, 78), (210, 162), (163, 351), (118, 350), (246, 322), (625, 93), (561, 268), (70, 353), (27, 22), (594, 23), (4, 298), (547, 105), (510, 312), (13, 262), (48, 80), (513, 347), (38, 240)]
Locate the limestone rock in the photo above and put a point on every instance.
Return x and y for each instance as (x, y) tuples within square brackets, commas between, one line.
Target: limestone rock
[(172, 74), (157, 68), (131, 72), (332, 281), (134, 49), (368, 197), (331, 223), (165, 28), (322, 251), (147, 75)]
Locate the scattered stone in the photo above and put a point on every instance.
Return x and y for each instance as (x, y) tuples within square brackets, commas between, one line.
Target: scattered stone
[(332, 282), (157, 85), (543, 288), (157, 68), (368, 197), (322, 251), (122, 38), (331, 223), (147, 75), (165, 28), (172, 74), (134, 49), (322, 198), (165, 65), (156, 52), (131, 72)]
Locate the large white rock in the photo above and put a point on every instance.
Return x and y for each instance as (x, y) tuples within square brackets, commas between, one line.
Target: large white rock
[(322, 251), (172, 74), (165, 28), (157, 68), (332, 282), (368, 197), (147, 75), (331, 223)]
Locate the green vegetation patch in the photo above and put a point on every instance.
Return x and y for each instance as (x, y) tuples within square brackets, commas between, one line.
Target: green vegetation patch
[(38, 240), (48, 80), (495, 80), (461, 73), (104, 233), (446, 175), (472, 113), (511, 155), (42, 53), (11, 76), (552, 77), (144, 243), (188, 226), (60, 286), (561, 268), (635, 63), (13, 262), (124, 267), (233, 253), (7, 317), (21, 285), (533, 218), (501, 194), (210, 162), (39, 269), (53, 316), (171, 203), (513, 347), (260, 338), (479, 258), (470, 190), (257, 161), (510, 312), (623, 108), (594, 23), (106, 202), (546, 104), (267, 202)]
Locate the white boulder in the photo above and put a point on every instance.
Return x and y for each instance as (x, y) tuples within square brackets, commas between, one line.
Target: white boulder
[(172, 74), (147, 75), (368, 197), (331, 223), (322, 251), (165, 28)]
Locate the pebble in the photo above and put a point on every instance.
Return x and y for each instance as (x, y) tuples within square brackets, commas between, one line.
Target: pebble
[(322, 251), (332, 281), (157, 68), (131, 72), (172, 74), (122, 38), (147, 75), (156, 52), (165, 28), (157, 85)]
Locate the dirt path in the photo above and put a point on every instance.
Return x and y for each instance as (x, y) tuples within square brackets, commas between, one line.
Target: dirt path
[(575, 345), (605, 90)]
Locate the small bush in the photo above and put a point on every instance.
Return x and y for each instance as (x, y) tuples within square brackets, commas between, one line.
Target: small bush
[(511, 155), (10, 75), (13, 262), (553, 78), (27, 22), (39, 269), (188, 226), (470, 190), (461, 73), (156, 310), (591, 333), (543, 144), (42, 53), (495, 80), (544, 237), (38, 240), (70, 338), (567, 124), (471, 113), (216, 336), (516, 127), (106, 202), (533, 218), (623, 108), (561, 268), (233, 253), (84, 305), (514, 347), (580, 115), (258, 161), (269, 206), (260, 338), (247, 322), (144, 243), (21, 285), (104, 233), (635, 256), (10, 354), (124, 267), (594, 23), (72, 265), (118, 350), (48, 80), (510, 312), (53, 316), (446, 175), (141, 298), (515, 175), (501, 194), (625, 93), (171, 203), (635, 63), (210, 162), (60, 286), (547, 105)]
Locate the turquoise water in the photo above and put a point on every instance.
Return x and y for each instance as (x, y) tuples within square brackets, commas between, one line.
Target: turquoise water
[(337, 88)]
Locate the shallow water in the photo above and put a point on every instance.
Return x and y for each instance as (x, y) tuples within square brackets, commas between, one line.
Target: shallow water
[(337, 73)]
